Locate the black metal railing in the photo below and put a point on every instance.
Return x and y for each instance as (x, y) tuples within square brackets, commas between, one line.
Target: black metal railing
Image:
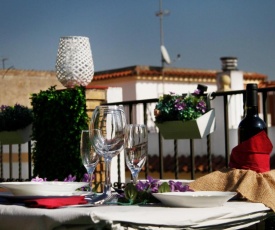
[(267, 96), (18, 177)]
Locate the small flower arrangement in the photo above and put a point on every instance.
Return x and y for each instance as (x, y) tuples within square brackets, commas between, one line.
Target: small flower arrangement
[(141, 193), (171, 107), (15, 117), (70, 178)]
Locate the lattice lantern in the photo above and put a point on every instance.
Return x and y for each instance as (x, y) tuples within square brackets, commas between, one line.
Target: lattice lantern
[(74, 63)]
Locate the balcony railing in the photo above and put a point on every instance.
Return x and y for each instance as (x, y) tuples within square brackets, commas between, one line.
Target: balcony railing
[(144, 107), (266, 106)]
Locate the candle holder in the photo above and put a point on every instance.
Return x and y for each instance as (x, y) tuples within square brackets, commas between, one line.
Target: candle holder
[(74, 63)]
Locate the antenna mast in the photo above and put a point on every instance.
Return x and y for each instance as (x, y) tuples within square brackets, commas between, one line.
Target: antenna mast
[(164, 54), (160, 14)]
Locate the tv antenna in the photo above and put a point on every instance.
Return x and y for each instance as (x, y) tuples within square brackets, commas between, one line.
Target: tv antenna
[(3, 62), (164, 54)]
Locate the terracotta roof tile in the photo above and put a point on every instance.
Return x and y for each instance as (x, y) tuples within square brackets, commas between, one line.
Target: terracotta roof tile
[(134, 71), (168, 72)]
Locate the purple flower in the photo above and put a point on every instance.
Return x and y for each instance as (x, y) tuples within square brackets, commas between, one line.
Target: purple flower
[(178, 186), (142, 186), (3, 107), (38, 179), (70, 178), (197, 92), (179, 105), (86, 177), (152, 180), (151, 185), (201, 106)]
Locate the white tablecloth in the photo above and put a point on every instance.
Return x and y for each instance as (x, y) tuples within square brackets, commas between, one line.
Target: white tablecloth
[(229, 216)]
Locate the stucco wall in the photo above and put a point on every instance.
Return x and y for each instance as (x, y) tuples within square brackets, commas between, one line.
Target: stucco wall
[(17, 85)]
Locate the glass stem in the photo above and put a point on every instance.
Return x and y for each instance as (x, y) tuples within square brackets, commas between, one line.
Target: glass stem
[(135, 178), (107, 185), (91, 181)]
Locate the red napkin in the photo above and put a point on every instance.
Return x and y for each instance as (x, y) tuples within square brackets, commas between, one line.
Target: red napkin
[(252, 154), (55, 202)]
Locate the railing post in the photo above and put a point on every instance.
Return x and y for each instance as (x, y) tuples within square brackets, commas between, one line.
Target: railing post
[(29, 160), (1, 160), (226, 131), (192, 159), (209, 155), (264, 102), (160, 156), (19, 162), (145, 122), (176, 159), (10, 160)]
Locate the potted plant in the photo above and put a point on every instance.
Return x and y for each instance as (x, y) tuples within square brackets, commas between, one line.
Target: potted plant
[(15, 124), (185, 116)]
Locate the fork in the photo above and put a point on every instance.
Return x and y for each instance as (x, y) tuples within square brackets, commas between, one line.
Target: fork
[(108, 198)]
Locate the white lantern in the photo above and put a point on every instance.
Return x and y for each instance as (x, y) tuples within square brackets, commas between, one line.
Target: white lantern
[(74, 63)]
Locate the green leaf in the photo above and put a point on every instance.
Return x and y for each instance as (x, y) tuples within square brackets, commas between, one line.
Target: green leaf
[(131, 192), (164, 187)]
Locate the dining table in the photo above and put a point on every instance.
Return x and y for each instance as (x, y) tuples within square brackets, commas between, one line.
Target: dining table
[(230, 215)]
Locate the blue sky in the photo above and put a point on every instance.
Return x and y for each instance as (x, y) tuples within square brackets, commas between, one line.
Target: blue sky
[(127, 32)]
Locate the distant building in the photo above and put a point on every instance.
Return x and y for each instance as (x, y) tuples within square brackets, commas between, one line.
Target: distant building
[(144, 82), (136, 82)]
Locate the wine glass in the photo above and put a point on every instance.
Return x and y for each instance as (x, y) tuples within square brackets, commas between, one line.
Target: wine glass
[(136, 139), (107, 131), (89, 156), (74, 62)]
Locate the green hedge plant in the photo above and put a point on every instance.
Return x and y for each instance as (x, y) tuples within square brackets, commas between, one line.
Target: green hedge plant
[(59, 117)]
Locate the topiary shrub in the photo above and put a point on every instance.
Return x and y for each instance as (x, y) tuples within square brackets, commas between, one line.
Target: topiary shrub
[(59, 117)]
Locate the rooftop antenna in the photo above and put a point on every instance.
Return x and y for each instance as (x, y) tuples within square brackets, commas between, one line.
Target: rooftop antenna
[(3, 62), (165, 58)]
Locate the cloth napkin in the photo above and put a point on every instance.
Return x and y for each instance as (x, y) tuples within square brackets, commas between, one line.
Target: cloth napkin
[(252, 154), (55, 202), (250, 185)]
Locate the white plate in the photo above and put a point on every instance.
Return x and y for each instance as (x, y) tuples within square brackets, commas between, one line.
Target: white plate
[(200, 199), (51, 188)]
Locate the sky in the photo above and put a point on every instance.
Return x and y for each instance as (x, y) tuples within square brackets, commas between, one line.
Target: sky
[(124, 33)]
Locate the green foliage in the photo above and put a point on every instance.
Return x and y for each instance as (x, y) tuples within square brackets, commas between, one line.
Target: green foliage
[(164, 187), (142, 192), (133, 195), (172, 107), (59, 117), (15, 117)]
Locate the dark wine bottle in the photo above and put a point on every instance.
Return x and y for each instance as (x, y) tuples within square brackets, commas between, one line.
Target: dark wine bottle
[(252, 123)]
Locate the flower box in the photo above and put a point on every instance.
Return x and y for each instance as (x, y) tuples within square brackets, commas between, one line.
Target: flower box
[(193, 129), (20, 136)]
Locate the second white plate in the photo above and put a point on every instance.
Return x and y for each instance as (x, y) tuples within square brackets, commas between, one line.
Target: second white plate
[(200, 199)]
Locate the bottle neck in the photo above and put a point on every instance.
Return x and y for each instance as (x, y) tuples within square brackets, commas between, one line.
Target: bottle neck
[(251, 111), (251, 107)]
